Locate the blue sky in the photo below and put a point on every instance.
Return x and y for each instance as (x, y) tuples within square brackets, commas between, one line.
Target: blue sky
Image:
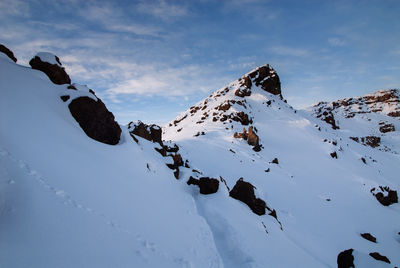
[(151, 60)]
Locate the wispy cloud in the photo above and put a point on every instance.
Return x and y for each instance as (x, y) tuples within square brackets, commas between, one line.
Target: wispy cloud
[(290, 51), (336, 42), (163, 10)]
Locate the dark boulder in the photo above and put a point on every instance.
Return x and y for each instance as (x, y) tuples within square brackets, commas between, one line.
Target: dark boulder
[(8, 52), (379, 257), (95, 120), (148, 132), (368, 237), (388, 199), (241, 117), (345, 259), (55, 72), (267, 78), (244, 191), (207, 185)]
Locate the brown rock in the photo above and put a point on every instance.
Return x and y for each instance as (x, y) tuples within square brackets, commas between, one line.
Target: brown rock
[(241, 117), (244, 191), (8, 52), (334, 155), (95, 120), (148, 132), (55, 72), (268, 79), (386, 128), (243, 92)]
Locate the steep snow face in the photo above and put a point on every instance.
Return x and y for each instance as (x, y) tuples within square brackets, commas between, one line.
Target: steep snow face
[(69, 201), (316, 178)]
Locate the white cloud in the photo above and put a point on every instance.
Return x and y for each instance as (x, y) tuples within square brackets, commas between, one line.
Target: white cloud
[(162, 9), (336, 42)]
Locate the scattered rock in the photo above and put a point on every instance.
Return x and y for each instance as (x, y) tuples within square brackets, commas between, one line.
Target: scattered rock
[(363, 160), (72, 87), (369, 237), (379, 257), (345, 259), (241, 117), (275, 161), (8, 52), (54, 71), (386, 128), (244, 191), (95, 120), (148, 132), (334, 155), (242, 92), (207, 185), (64, 98)]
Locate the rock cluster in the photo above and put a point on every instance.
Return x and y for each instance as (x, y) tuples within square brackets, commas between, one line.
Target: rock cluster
[(388, 199), (149, 132), (250, 136)]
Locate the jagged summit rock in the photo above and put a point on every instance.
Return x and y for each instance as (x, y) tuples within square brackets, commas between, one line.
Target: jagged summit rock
[(51, 65), (8, 52), (266, 77)]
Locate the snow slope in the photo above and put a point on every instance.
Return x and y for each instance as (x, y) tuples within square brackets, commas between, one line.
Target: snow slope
[(323, 203), (69, 201)]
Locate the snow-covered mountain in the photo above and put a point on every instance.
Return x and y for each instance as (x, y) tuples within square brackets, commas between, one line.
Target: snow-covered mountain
[(241, 179)]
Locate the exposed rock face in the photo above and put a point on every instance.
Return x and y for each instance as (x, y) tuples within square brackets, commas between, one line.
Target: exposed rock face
[(345, 259), (383, 101), (53, 70), (244, 191), (95, 120), (148, 132), (379, 257), (207, 185), (267, 78), (371, 141), (8, 52), (388, 199), (250, 136), (369, 237)]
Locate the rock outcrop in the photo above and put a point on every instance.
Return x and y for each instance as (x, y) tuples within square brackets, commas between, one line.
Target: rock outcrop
[(149, 132), (345, 259), (95, 120), (8, 52), (250, 136), (385, 195), (50, 64), (267, 78), (207, 185), (244, 191)]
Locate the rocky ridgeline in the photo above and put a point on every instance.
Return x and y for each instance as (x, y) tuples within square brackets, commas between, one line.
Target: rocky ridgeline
[(88, 110), (384, 101)]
